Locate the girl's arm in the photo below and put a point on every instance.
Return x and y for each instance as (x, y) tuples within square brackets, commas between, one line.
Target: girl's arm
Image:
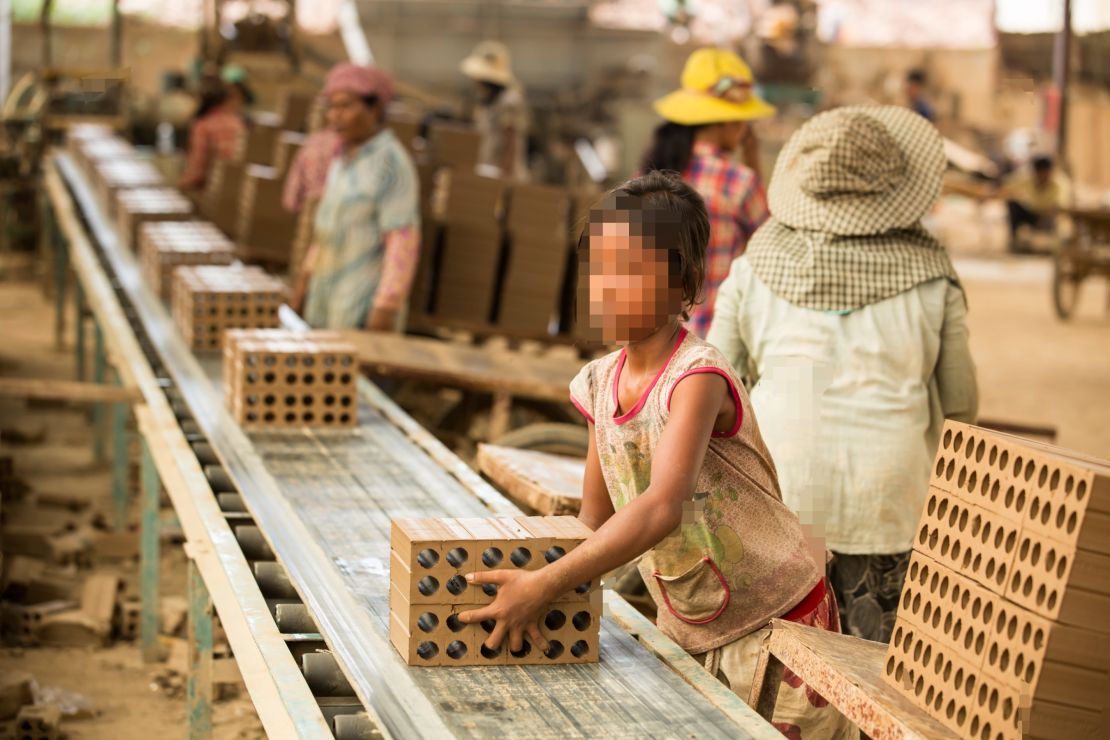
[(637, 527), (955, 370), (597, 507)]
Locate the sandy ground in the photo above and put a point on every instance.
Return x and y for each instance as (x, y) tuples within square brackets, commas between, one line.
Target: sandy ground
[(128, 702)]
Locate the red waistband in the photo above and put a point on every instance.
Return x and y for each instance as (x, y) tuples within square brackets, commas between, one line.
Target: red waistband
[(808, 604)]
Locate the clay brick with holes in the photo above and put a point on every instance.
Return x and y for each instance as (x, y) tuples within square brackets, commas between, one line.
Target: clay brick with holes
[(286, 380), (207, 300), (967, 538), (137, 206), (167, 245), (429, 561), (115, 175)]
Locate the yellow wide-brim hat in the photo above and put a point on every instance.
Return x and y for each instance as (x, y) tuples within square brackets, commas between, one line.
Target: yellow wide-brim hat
[(716, 88)]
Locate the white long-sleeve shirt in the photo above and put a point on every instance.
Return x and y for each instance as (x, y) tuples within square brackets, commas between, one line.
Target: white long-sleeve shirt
[(851, 404)]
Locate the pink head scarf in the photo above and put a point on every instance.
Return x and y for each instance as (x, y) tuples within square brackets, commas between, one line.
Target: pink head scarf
[(359, 80)]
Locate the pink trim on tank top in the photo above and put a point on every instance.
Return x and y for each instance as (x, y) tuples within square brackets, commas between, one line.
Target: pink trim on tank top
[(623, 418), (732, 391), (581, 409)]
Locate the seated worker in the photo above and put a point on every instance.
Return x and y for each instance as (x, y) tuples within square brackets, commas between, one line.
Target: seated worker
[(915, 95), (214, 134), (367, 231), (1035, 196), (677, 474)]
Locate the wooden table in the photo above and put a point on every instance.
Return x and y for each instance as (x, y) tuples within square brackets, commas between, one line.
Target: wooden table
[(847, 672), (550, 485)]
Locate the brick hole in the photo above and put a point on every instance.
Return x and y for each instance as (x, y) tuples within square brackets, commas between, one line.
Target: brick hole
[(1030, 671), (965, 597), (252, 400), (456, 650), (995, 490), (919, 686), (290, 417), (980, 450), (923, 535), (309, 361), (270, 399), (345, 378), (1073, 522), (936, 618), (940, 467), (950, 470), (427, 622), (1004, 660), (1069, 484), (986, 535), (1030, 470), (964, 516), (970, 449), (269, 416), (346, 361), (453, 622), (290, 378), (947, 441), (582, 621), (1052, 600), (1027, 587), (980, 642), (897, 637), (457, 556), (944, 587), (428, 585), (1011, 541), (308, 378), (958, 442), (974, 725), (972, 482), (290, 400), (1042, 478), (1009, 498), (583, 587), (944, 545), (1019, 462), (555, 620), (344, 418), (489, 589), (1046, 513), (309, 417), (520, 557), (427, 650), (1015, 582), (918, 645), (329, 418), (988, 610), (1062, 566), (950, 709), (891, 664), (252, 417), (989, 570), (554, 649), (345, 401), (931, 505), (269, 377), (329, 378), (487, 625), (987, 731), (307, 400), (928, 613), (525, 649), (1034, 554), (1035, 507), (456, 585), (942, 510), (291, 361), (962, 478), (580, 648), (930, 694), (489, 653), (1019, 664), (492, 557), (1081, 490), (1061, 517)]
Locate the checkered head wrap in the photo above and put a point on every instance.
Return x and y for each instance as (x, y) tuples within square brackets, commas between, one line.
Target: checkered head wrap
[(846, 199)]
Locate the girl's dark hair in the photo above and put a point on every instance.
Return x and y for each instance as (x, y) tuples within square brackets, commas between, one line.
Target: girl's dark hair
[(212, 92), (671, 148), (670, 215)]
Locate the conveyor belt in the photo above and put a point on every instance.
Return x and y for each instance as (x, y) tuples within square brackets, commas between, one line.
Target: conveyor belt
[(323, 501)]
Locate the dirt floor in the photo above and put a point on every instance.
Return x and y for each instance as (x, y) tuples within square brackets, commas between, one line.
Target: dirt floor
[(129, 698), (1033, 369)]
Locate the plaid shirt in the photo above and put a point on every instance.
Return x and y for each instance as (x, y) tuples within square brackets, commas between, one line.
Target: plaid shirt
[(737, 205)]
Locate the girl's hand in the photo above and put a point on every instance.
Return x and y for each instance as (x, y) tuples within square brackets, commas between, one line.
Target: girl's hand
[(521, 598)]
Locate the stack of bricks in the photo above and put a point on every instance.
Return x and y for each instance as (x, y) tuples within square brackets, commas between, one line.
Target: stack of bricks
[(428, 564), (265, 230), (141, 205), (220, 201), (280, 379), (1005, 616), (167, 245), (93, 144), (209, 299), (123, 174)]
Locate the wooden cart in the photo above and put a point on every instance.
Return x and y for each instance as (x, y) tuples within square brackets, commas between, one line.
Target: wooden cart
[(1085, 254)]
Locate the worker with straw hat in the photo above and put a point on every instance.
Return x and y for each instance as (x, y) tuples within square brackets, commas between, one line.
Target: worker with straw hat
[(707, 121), (501, 115), (849, 318)]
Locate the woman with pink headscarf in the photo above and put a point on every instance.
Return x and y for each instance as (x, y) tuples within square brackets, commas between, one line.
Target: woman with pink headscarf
[(367, 229)]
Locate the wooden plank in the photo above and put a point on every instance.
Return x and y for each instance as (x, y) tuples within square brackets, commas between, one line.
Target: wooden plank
[(284, 704), (66, 390), (549, 484), (540, 377), (719, 695), (847, 672)]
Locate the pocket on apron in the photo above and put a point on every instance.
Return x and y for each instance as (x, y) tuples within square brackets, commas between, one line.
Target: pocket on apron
[(697, 596)]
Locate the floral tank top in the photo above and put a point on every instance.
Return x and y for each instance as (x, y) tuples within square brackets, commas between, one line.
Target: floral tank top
[(739, 558)]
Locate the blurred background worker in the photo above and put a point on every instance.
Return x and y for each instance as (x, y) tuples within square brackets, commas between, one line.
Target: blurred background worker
[(915, 95), (214, 134), (501, 115), (1034, 196), (707, 124), (367, 230), (238, 88)]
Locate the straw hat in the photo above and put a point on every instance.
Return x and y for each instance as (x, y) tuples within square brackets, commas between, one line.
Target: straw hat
[(716, 88), (489, 62), (858, 170)]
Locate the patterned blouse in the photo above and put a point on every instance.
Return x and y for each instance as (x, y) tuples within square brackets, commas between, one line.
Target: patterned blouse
[(737, 206), (309, 171), (370, 192)]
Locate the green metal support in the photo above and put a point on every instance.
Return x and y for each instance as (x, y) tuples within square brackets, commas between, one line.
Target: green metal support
[(61, 271), (149, 559), (79, 328), (99, 362), (198, 688), (119, 466)]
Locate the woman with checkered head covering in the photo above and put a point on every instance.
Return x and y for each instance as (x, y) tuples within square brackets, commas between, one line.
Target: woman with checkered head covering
[(848, 318)]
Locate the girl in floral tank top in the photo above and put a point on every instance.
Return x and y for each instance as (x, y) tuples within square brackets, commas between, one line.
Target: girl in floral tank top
[(677, 474)]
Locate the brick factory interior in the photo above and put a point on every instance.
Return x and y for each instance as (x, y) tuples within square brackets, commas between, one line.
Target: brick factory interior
[(554, 369)]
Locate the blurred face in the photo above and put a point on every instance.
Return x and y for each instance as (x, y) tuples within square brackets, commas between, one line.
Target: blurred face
[(913, 90), (350, 117), (631, 293), (731, 135)]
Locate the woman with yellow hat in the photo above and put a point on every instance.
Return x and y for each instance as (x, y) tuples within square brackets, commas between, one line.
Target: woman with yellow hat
[(707, 120), (501, 116)]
